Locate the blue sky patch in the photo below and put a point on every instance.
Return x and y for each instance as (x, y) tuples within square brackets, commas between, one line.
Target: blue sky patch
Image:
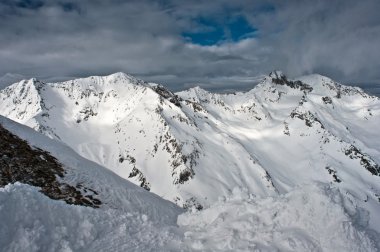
[(211, 32)]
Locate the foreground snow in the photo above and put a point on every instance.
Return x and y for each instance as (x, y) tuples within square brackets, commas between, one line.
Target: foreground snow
[(33, 222), (313, 217), (310, 218)]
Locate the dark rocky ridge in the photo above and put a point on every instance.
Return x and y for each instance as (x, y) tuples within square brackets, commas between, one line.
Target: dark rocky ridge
[(165, 93), (19, 162), (365, 160), (280, 79), (143, 182)]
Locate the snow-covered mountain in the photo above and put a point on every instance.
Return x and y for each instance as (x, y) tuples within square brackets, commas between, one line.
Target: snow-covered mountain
[(194, 146), (252, 160), (313, 217)]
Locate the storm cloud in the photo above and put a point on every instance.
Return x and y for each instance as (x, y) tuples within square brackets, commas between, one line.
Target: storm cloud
[(220, 45)]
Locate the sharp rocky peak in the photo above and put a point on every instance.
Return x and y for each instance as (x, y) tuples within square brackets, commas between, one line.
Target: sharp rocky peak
[(24, 87), (278, 78), (30, 82), (277, 75), (161, 90)]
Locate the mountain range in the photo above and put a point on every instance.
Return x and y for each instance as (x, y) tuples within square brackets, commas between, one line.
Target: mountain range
[(196, 148)]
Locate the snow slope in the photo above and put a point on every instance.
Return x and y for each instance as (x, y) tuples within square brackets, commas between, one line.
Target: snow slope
[(194, 146), (314, 217), (33, 222)]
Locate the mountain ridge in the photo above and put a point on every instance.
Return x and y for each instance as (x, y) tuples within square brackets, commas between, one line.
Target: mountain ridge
[(183, 145), (316, 216), (308, 141)]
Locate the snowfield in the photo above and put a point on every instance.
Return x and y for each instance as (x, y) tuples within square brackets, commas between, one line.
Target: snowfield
[(311, 218), (314, 217), (291, 165)]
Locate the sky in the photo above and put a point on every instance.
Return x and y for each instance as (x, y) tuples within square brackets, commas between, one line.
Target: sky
[(220, 45)]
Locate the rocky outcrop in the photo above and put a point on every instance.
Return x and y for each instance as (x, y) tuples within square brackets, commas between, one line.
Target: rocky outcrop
[(19, 162), (365, 160), (280, 79)]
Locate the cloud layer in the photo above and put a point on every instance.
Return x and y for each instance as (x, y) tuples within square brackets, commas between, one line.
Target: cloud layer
[(58, 39)]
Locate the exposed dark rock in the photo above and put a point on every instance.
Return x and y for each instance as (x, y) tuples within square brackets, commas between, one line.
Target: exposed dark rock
[(327, 100), (162, 91), (131, 159), (165, 93), (184, 176), (280, 79), (176, 100), (196, 106), (333, 173), (268, 178), (365, 160), (19, 162), (141, 178), (302, 101), (87, 112), (308, 117), (192, 202), (191, 159), (181, 119)]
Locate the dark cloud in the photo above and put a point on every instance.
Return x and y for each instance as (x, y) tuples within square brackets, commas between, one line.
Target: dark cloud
[(25, 4), (53, 39)]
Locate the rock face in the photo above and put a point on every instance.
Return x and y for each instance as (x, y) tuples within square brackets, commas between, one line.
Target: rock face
[(194, 146), (19, 162)]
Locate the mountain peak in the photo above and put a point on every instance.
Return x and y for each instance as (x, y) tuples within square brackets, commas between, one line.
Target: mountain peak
[(193, 93), (33, 83), (276, 74), (101, 83), (119, 75), (198, 89), (26, 94), (278, 78)]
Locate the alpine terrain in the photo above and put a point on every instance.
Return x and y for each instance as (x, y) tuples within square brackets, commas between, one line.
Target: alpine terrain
[(111, 163)]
